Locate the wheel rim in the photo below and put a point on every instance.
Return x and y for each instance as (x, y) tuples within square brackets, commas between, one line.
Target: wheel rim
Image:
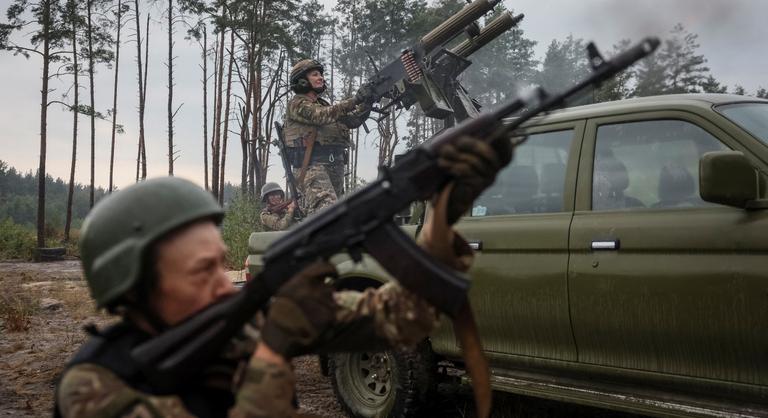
[(371, 378)]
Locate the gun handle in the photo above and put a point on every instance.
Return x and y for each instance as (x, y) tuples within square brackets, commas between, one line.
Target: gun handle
[(417, 271)]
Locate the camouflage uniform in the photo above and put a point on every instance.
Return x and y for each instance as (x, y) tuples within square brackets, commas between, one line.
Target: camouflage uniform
[(391, 314), (323, 181), (88, 390), (276, 221)]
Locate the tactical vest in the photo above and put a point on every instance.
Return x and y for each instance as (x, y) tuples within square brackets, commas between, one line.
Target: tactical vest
[(330, 134), (111, 349)]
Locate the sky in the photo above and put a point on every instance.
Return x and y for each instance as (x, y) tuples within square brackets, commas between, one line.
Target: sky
[(732, 35)]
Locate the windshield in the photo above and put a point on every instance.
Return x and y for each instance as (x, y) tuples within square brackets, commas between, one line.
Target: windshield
[(753, 117)]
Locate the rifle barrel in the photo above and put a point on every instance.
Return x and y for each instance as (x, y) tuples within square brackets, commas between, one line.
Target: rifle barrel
[(456, 23), (493, 29)]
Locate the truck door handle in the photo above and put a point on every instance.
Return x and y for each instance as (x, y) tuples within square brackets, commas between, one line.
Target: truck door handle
[(605, 244), (476, 245)]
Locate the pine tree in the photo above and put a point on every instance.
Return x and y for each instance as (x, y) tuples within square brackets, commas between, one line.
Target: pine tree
[(685, 68), (711, 85), (45, 41), (502, 67)]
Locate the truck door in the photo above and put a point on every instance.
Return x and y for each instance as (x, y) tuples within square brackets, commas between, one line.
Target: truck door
[(519, 228), (661, 280)]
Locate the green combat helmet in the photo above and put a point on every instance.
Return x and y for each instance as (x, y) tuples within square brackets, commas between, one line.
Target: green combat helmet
[(269, 188), (304, 66), (299, 82), (120, 228)]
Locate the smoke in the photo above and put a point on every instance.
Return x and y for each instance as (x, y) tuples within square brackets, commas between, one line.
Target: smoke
[(716, 18)]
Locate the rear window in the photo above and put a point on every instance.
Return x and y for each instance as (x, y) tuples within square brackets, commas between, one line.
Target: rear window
[(753, 117)]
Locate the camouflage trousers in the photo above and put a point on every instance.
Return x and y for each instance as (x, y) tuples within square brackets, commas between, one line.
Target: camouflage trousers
[(323, 185)]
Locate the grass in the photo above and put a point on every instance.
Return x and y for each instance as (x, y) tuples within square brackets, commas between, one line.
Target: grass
[(242, 219), (17, 308)]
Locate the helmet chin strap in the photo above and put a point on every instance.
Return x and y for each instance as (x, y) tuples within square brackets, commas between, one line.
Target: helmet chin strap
[(320, 90)]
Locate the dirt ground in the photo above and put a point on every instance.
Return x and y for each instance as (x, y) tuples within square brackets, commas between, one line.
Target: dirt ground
[(44, 306)]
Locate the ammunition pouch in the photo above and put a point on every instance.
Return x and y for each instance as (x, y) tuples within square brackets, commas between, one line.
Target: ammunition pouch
[(321, 154)]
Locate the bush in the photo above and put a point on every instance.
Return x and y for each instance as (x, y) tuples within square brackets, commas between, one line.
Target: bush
[(242, 219), (16, 241)]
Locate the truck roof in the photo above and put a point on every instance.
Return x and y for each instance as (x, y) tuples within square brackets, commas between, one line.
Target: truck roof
[(691, 101)]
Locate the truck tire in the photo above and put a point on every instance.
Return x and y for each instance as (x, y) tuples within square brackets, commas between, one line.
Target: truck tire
[(392, 383)]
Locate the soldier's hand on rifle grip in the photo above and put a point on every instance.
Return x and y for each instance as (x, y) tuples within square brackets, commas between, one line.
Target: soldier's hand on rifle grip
[(474, 164), (301, 310)]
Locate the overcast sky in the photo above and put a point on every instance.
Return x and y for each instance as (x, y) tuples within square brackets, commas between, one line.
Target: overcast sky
[(732, 34)]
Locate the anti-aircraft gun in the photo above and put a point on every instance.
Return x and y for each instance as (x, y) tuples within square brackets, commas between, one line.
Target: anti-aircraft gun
[(426, 72)]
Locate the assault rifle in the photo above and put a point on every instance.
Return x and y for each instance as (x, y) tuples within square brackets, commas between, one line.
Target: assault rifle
[(363, 222), (292, 185)]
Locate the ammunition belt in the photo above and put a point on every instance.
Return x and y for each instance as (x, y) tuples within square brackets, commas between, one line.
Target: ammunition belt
[(321, 154)]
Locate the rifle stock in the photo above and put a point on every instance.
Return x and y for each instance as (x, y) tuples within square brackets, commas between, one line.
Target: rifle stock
[(363, 221), (292, 185)]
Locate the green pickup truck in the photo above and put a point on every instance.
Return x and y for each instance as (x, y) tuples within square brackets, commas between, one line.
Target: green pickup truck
[(621, 262)]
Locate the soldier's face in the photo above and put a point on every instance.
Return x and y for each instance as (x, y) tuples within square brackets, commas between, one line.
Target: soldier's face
[(316, 79), (191, 272), (275, 198)]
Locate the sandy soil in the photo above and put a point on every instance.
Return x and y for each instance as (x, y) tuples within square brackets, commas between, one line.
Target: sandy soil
[(56, 306)]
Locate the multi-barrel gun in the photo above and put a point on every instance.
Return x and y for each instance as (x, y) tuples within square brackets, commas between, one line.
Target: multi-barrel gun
[(426, 72)]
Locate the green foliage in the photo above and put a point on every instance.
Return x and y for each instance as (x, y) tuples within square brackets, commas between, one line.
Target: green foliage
[(18, 199), (242, 218), (508, 61), (762, 93), (16, 241), (711, 85)]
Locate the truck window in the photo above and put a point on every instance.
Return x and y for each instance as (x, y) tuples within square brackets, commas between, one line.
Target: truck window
[(751, 116), (533, 182), (649, 164)]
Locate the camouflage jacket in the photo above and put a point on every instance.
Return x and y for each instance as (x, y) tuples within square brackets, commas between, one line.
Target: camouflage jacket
[(376, 318), (306, 117), (276, 221)]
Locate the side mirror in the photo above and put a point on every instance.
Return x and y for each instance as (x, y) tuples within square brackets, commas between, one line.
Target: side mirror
[(727, 178)]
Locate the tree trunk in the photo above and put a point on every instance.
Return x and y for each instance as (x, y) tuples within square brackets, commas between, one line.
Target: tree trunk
[(244, 133), (226, 116), (140, 74), (75, 114), (91, 201), (43, 125), (144, 103), (205, 106), (114, 97), (216, 145), (170, 87)]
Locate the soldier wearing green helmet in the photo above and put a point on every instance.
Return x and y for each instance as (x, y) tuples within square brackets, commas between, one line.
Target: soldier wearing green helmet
[(317, 134), (153, 254), (277, 214)]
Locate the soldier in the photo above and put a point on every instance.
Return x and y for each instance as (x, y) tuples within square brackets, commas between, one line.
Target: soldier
[(277, 214), (317, 134), (152, 254)]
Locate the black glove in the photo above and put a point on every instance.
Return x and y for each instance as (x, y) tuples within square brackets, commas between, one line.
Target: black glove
[(474, 164), (365, 94), (356, 118), (301, 310)]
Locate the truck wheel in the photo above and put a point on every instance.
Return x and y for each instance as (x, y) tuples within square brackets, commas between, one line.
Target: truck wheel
[(384, 384)]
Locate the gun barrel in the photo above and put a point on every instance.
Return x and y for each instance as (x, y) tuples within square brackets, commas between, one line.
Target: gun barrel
[(456, 23), (493, 29)]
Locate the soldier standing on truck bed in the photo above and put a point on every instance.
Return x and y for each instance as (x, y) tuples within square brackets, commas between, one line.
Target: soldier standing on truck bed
[(154, 256), (277, 214), (317, 135)]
